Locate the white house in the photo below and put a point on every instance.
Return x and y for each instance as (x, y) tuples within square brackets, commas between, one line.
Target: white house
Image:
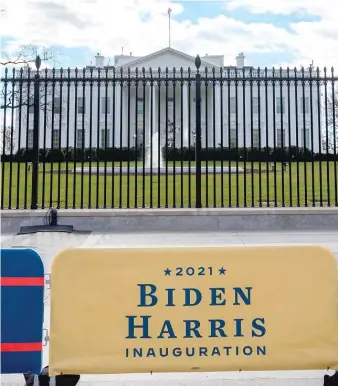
[(119, 114)]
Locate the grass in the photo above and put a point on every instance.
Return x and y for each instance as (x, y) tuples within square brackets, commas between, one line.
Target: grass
[(300, 185)]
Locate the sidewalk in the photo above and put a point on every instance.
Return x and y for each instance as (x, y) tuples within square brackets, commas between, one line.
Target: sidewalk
[(48, 244)]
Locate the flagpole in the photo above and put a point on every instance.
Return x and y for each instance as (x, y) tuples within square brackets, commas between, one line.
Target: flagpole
[(169, 13)]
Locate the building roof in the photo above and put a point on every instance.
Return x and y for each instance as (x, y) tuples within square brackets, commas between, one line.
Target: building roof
[(165, 51)]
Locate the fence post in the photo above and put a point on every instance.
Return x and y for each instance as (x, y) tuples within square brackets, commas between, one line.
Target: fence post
[(36, 124), (198, 134)]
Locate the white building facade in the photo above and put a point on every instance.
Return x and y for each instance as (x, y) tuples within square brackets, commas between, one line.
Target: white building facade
[(256, 112)]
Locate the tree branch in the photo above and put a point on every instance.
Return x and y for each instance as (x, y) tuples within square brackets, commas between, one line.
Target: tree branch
[(27, 55)]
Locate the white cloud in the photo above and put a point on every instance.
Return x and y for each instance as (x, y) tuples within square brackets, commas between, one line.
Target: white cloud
[(285, 7), (316, 40), (141, 27)]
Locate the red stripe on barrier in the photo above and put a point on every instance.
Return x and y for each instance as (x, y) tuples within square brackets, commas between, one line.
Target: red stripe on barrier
[(22, 281), (20, 347)]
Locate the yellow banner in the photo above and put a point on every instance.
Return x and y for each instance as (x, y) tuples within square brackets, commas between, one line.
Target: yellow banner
[(193, 309)]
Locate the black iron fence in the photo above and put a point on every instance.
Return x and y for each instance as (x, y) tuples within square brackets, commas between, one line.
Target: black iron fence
[(188, 137)]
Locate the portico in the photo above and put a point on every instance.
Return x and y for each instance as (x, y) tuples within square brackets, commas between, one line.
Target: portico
[(148, 109)]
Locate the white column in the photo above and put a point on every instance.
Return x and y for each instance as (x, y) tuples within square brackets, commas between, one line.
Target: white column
[(116, 134), (185, 127), (218, 112), (155, 106), (150, 113), (210, 133), (125, 119)]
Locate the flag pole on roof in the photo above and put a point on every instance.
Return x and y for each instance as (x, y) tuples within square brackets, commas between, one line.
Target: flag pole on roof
[(169, 12)]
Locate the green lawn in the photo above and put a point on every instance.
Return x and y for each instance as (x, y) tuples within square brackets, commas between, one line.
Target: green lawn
[(220, 191)]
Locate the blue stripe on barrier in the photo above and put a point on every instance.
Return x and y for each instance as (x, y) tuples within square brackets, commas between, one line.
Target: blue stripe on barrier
[(21, 262), (21, 362), (19, 320)]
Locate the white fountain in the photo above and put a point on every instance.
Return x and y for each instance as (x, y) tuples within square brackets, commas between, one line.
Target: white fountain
[(156, 164), (153, 157)]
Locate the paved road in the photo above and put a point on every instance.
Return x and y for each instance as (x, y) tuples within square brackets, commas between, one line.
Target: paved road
[(48, 244)]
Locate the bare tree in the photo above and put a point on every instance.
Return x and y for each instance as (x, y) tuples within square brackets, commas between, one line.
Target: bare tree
[(330, 139), (18, 90), (27, 55)]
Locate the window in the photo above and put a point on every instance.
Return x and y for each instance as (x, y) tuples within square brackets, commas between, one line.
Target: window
[(280, 105), (30, 139), (57, 105), (304, 104), (105, 103), (140, 116), (280, 138), (170, 109), (80, 138), (105, 135), (81, 105), (232, 105), (56, 139), (233, 138), (255, 137), (305, 145), (31, 105), (233, 135), (255, 105)]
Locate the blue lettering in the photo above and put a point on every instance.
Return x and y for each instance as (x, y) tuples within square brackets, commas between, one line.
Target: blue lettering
[(261, 350), (203, 351), (188, 352), (191, 326), (215, 351), (187, 292), (166, 352), (247, 350), (216, 327), (137, 353), (150, 353), (167, 329), (258, 324), (132, 326), (238, 327), (143, 295), (177, 352), (227, 349), (217, 296), (245, 297), (170, 297)]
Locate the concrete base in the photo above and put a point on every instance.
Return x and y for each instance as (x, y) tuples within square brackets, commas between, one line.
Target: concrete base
[(233, 220), (184, 379)]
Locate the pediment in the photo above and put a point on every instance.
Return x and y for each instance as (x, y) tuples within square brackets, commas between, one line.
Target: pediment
[(166, 58)]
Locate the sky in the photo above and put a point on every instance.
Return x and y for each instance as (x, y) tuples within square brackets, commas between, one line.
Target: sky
[(268, 32)]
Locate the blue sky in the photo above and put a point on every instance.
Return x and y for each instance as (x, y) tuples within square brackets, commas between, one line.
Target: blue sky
[(196, 10), (280, 32)]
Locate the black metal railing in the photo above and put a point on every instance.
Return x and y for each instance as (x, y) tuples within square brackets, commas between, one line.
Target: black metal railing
[(192, 137)]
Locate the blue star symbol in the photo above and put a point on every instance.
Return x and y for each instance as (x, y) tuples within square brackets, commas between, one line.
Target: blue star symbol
[(222, 271), (167, 272)]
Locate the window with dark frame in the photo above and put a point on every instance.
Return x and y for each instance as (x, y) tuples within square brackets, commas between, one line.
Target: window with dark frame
[(81, 103)]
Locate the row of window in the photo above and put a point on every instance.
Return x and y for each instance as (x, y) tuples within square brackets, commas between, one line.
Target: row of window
[(304, 105), (280, 139), (81, 105), (79, 138)]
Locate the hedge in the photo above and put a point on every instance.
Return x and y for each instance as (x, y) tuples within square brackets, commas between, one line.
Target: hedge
[(180, 154)]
